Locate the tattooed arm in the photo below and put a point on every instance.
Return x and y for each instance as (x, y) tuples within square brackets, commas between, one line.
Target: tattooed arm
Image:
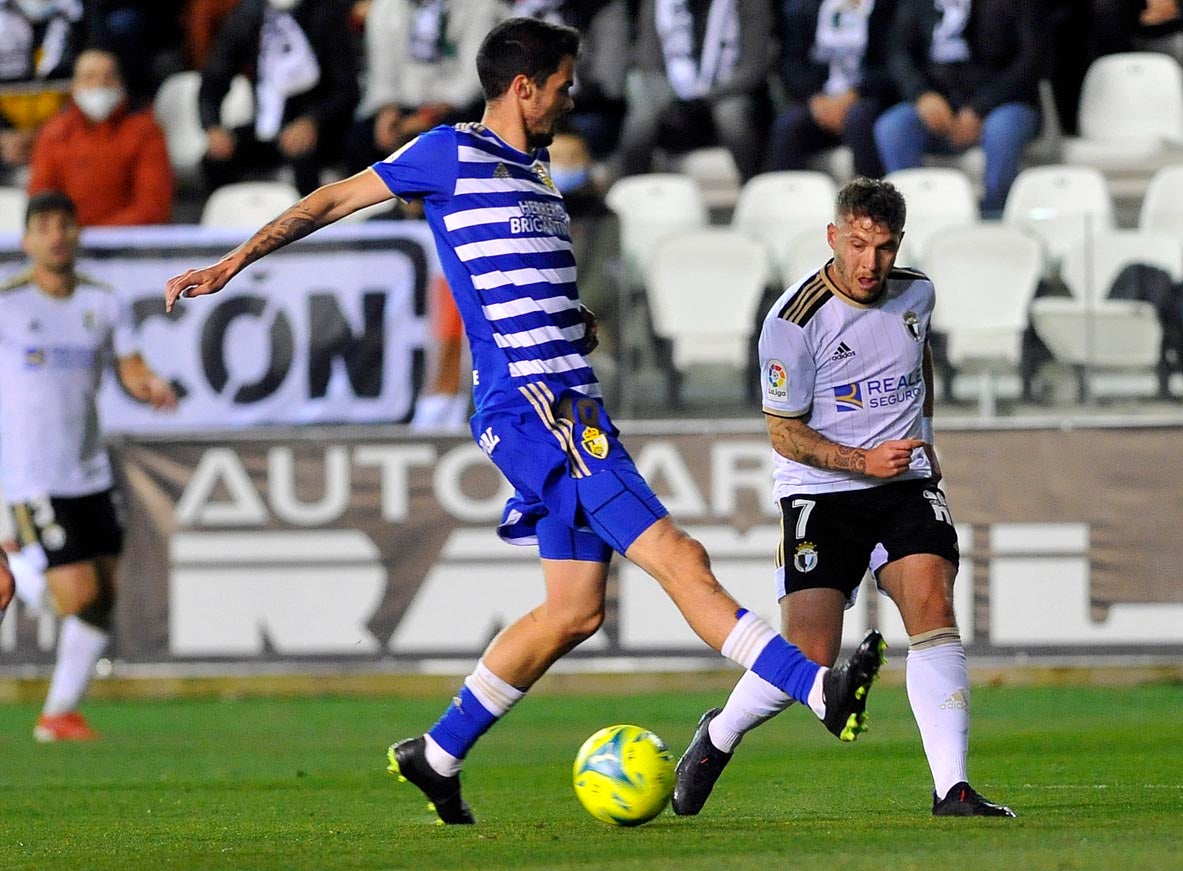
[(794, 439), (321, 207)]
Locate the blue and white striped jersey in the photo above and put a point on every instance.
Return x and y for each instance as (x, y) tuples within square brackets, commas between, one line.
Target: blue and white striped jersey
[(504, 241)]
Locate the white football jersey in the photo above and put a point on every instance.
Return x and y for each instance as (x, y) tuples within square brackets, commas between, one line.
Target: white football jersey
[(52, 354), (853, 372)]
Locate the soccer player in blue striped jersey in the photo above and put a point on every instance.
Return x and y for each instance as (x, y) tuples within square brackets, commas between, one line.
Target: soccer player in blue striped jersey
[(503, 239)]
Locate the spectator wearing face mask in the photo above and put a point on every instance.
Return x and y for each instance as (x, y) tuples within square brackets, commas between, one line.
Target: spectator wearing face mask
[(109, 160), (39, 40)]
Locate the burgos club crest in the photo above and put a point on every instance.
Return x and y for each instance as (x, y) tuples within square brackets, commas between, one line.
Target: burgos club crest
[(595, 442), (776, 380), (805, 557), (912, 325)]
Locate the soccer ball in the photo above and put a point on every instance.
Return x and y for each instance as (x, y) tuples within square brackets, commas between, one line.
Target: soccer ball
[(624, 775)]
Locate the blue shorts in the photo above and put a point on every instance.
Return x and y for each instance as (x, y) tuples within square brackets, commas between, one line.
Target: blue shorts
[(579, 495)]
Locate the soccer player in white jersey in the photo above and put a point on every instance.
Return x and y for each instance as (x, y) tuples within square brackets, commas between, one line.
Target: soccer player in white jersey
[(846, 379), (504, 241), (58, 330)]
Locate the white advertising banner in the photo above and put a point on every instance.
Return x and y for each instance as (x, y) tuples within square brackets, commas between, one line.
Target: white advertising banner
[(329, 330)]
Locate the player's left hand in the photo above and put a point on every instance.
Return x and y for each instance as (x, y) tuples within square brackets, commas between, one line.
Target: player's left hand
[(591, 337)]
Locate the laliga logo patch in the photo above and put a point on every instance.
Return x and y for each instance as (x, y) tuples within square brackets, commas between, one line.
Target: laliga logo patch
[(595, 442), (776, 380), (805, 557)]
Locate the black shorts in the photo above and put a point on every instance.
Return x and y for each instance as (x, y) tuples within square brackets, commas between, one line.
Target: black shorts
[(71, 529), (828, 538)]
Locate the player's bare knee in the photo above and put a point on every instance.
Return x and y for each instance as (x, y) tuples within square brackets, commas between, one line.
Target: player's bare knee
[(578, 627)]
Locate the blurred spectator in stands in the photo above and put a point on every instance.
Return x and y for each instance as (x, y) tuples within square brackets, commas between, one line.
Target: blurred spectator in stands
[(421, 71), (301, 58), (1067, 25), (601, 67), (700, 79), (1138, 25), (111, 161), (969, 70), (443, 403), (202, 21), (146, 37), (835, 76), (39, 40), (595, 233)]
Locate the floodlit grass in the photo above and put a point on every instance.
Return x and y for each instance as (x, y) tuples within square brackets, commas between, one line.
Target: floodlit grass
[(1095, 774)]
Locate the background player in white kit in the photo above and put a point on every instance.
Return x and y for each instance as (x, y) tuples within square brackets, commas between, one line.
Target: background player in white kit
[(846, 377), (58, 330)]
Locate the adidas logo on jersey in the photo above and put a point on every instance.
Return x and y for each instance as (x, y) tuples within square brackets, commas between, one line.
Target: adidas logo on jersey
[(844, 352), (502, 171)]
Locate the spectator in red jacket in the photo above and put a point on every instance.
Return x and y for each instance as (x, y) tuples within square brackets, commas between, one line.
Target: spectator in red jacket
[(109, 160)]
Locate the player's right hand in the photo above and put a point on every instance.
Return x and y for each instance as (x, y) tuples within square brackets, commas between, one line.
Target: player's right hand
[(891, 458), (196, 282)]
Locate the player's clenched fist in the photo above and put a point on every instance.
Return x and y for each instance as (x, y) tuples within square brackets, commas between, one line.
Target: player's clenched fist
[(891, 458)]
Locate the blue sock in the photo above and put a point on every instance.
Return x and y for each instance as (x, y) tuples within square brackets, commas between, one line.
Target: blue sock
[(788, 669), (465, 720)]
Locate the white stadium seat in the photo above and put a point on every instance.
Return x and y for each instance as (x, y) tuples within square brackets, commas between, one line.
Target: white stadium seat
[(936, 197), (12, 209), (985, 276), (1087, 329), (1062, 205), (1131, 117), (704, 287), (650, 207), (247, 204), (806, 253), (176, 111), (715, 172), (1162, 207), (776, 206)]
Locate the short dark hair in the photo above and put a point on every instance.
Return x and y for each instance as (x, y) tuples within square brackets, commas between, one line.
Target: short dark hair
[(523, 46), (49, 201), (873, 198)]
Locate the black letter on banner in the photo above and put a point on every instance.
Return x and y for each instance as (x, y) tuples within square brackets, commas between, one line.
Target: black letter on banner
[(213, 339), (145, 308), (331, 336)]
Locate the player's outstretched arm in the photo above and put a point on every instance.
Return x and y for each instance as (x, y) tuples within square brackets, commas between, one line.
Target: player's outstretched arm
[(321, 207), (796, 440)]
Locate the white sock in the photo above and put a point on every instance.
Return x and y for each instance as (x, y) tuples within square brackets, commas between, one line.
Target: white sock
[(79, 647), (457, 415), (747, 640), (28, 570), (440, 759), (752, 702), (817, 696), (938, 689), (432, 411), (495, 696), (492, 692)]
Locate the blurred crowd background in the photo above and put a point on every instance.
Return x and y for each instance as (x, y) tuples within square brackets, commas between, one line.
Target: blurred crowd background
[(742, 114)]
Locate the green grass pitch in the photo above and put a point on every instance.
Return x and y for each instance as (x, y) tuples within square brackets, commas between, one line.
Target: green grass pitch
[(1096, 775)]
